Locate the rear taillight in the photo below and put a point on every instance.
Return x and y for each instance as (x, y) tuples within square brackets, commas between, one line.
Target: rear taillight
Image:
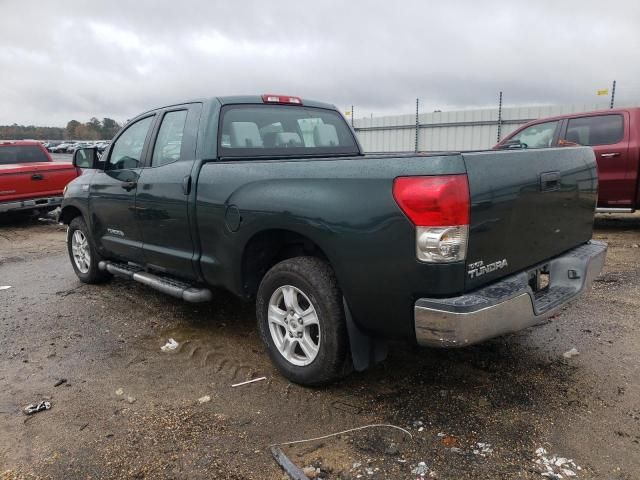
[(271, 98), (439, 208)]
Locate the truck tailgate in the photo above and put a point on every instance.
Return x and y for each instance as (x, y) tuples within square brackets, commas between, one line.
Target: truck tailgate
[(31, 180), (527, 206)]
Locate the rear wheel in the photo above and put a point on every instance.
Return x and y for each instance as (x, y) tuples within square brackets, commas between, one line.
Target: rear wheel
[(301, 320), (82, 253)]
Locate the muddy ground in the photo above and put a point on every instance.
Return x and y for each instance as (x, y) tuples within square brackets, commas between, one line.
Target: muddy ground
[(129, 410)]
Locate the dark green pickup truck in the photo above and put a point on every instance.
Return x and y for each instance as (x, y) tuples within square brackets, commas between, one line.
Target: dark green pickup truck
[(272, 198)]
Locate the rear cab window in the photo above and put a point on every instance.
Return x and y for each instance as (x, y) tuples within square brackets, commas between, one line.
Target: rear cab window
[(10, 154), (596, 130), (283, 130)]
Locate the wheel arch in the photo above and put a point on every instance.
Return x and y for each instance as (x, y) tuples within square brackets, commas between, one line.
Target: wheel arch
[(268, 247), (68, 213)]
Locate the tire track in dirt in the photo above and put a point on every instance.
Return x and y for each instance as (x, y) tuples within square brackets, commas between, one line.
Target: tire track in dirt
[(229, 362)]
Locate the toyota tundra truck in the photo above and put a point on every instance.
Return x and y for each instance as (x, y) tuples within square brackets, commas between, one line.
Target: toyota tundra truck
[(272, 198)]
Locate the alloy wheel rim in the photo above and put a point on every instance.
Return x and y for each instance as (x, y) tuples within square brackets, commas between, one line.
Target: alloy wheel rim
[(294, 325), (80, 251)]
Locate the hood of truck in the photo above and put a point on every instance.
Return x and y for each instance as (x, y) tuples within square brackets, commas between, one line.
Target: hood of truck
[(527, 206)]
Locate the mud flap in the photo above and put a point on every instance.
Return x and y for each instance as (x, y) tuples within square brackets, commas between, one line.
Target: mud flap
[(365, 350)]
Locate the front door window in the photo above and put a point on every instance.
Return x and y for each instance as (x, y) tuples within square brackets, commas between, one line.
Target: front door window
[(537, 136), (126, 152)]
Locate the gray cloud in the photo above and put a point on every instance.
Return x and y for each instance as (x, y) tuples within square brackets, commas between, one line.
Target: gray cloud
[(77, 59)]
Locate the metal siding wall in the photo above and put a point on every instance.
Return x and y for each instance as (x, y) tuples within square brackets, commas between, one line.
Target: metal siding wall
[(449, 134)]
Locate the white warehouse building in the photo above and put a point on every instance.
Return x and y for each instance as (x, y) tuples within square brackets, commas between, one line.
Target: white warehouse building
[(455, 130)]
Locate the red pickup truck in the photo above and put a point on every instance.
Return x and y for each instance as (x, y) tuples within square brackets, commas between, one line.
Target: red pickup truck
[(30, 179), (615, 137)]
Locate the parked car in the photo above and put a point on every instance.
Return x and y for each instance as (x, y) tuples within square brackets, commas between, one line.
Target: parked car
[(102, 146), (78, 145), (272, 198), (30, 179), (614, 136), (73, 147), (60, 148), (52, 144)]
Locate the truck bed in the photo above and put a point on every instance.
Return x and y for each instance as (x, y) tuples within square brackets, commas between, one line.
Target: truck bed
[(34, 180)]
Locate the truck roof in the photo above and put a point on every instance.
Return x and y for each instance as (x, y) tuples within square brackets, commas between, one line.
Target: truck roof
[(240, 99)]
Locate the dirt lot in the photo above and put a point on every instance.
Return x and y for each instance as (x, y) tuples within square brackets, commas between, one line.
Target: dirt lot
[(129, 410)]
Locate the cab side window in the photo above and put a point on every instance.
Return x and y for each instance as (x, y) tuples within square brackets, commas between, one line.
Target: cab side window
[(126, 152), (537, 136), (169, 141), (598, 130)]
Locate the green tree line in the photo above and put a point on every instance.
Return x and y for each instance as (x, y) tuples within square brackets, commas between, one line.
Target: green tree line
[(94, 129)]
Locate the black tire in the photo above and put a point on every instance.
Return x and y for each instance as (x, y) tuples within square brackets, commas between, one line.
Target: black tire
[(317, 281), (93, 274)]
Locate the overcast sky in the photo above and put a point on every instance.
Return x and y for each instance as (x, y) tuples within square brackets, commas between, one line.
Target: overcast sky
[(67, 60)]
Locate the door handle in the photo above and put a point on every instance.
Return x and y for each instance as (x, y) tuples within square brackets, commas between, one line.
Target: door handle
[(186, 184), (610, 155), (36, 176), (549, 181), (128, 186)]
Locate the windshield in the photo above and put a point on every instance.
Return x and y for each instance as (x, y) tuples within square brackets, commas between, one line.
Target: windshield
[(10, 154), (282, 130)]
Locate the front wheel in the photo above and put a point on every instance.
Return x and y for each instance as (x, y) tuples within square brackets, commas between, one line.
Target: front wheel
[(301, 320), (82, 253)]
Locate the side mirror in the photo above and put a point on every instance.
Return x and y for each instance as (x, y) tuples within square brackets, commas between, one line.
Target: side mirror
[(85, 158), (513, 144)]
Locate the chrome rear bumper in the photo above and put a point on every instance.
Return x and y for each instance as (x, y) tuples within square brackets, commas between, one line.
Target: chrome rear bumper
[(508, 305)]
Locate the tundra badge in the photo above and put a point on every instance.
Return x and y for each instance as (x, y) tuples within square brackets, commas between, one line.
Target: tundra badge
[(477, 269)]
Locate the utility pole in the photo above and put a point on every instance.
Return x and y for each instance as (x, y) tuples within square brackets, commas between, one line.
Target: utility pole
[(417, 123), (613, 93), (499, 116), (351, 115)]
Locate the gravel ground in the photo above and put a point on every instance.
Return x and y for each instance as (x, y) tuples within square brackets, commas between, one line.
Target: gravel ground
[(126, 409)]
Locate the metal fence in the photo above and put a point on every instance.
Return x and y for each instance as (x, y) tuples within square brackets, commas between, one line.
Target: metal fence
[(455, 130)]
